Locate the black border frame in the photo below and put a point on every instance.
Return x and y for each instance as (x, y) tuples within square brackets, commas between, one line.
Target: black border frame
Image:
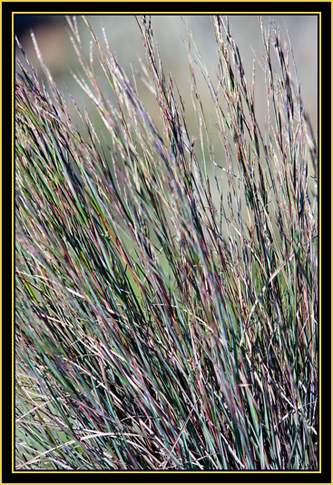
[(325, 440)]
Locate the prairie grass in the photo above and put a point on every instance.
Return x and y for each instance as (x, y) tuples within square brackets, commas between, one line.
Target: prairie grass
[(166, 301)]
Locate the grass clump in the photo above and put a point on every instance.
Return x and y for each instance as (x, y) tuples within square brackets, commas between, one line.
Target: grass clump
[(166, 302)]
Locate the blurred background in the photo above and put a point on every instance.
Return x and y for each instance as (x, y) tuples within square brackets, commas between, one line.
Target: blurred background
[(170, 32), (123, 33)]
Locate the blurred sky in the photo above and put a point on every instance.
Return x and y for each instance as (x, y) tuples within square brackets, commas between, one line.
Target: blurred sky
[(170, 33)]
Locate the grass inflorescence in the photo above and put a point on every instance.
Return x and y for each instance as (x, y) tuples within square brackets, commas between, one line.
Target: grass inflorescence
[(166, 298)]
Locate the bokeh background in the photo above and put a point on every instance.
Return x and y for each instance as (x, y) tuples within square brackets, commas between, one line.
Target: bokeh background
[(52, 35)]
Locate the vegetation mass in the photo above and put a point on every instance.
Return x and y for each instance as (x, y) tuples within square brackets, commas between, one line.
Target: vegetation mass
[(166, 298)]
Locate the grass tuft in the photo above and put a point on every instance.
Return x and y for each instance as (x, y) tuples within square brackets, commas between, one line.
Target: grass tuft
[(166, 301)]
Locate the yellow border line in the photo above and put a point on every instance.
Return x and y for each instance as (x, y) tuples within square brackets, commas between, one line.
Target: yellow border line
[(13, 251), (319, 144), (140, 12), (319, 235)]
